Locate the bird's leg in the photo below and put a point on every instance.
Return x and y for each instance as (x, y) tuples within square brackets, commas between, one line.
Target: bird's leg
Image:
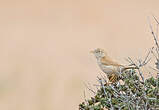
[(113, 78)]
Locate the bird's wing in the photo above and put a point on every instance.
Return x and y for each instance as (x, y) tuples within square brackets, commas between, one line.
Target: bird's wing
[(109, 61)]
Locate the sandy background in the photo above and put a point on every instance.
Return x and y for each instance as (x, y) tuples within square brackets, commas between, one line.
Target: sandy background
[(45, 44)]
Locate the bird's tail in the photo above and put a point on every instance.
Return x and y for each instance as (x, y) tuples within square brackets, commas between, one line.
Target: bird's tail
[(131, 67)]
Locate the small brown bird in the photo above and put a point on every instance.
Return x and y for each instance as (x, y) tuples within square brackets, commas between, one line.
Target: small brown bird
[(108, 66)]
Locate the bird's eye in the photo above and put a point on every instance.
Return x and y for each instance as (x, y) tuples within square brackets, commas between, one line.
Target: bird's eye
[(98, 50)]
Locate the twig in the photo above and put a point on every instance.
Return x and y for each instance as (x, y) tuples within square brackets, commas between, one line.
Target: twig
[(152, 32), (153, 53), (85, 96), (100, 81), (146, 60), (156, 24), (104, 78), (90, 89), (154, 69)]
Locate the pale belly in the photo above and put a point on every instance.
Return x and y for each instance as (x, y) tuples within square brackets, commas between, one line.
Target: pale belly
[(110, 69)]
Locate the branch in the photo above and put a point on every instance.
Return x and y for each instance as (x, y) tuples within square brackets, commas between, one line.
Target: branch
[(152, 32)]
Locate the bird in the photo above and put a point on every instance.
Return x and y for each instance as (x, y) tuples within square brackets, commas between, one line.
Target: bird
[(111, 68)]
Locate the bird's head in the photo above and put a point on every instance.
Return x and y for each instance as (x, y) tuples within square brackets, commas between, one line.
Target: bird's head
[(99, 53)]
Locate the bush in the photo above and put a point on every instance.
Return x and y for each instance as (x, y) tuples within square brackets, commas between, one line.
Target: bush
[(133, 94)]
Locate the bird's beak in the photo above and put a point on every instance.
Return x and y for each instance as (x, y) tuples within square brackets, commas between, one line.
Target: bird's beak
[(91, 51)]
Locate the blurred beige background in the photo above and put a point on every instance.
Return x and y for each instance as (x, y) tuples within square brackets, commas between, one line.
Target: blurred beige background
[(45, 44)]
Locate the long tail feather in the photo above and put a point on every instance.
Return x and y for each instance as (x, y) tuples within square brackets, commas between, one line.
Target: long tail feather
[(130, 68)]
